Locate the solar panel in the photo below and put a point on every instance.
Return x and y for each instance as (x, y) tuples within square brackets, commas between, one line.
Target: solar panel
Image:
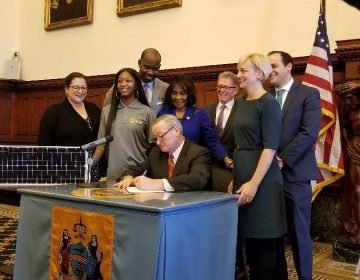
[(42, 165)]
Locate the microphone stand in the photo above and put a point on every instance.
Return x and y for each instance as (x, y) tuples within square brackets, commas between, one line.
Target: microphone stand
[(88, 167)]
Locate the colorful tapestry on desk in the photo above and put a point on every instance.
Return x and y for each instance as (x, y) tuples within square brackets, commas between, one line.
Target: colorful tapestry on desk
[(81, 244)]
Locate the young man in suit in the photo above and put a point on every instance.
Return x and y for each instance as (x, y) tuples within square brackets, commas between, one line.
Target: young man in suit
[(301, 118), (227, 88), (149, 66), (175, 164)]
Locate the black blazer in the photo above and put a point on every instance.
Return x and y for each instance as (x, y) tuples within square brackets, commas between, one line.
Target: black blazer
[(192, 169)]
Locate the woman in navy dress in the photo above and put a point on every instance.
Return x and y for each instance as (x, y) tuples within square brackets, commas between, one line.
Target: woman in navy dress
[(257, 175), (180, 99)]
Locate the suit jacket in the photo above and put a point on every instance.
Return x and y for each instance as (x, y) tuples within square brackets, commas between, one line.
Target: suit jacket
[(191, 172), (158, 95), (227, 138), (220, 175), (301, 119)]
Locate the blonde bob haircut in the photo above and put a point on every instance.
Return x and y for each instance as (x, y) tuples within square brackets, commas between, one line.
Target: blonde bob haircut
[(259, 62)]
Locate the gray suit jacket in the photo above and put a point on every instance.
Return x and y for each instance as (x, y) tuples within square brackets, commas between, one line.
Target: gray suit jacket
[(191, 172), (157, 96)]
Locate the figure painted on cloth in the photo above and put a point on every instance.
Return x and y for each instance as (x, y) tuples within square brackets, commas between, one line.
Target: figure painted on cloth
[(95, 256), (64, 252)]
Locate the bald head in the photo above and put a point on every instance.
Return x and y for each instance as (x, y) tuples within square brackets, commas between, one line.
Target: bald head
[(149, 64), (150, 52)]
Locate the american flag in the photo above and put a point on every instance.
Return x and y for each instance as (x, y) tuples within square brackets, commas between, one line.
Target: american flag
[(319, 74)]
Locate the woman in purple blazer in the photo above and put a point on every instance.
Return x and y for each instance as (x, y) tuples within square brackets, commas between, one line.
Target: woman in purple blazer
[(180, 99)]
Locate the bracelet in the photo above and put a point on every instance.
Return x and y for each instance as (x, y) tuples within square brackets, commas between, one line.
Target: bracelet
[(228, 163)]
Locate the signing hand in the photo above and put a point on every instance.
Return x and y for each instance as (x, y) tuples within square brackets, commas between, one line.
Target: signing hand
[(145, 183)]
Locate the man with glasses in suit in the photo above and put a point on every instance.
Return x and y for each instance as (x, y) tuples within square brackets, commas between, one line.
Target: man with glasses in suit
[(175, 164)]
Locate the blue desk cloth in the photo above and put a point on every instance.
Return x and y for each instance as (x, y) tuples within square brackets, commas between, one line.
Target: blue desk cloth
[(189, 235)]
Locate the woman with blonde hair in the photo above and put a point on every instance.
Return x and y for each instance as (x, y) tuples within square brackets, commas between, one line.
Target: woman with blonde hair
[(257, 176)]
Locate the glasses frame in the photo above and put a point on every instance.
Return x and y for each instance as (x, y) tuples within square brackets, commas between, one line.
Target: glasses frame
[(155, 139), (226, 88), (77, 88)]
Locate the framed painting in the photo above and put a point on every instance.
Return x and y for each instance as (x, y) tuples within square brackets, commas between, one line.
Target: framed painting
[(66, 13), (132, 7)]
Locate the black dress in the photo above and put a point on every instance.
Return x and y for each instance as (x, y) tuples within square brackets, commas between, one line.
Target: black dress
[(257, 126)]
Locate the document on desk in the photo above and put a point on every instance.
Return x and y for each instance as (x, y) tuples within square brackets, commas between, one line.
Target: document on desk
[(136, 190)]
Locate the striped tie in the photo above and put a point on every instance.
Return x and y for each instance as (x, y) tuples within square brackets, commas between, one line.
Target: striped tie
[(220, 120), (171, 165)]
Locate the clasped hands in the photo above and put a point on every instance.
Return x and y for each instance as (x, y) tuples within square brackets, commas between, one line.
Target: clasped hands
[(141, 182)]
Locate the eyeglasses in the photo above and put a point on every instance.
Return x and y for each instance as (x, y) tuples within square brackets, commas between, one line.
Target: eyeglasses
[(77, 88), (226, 88), (154, 140)]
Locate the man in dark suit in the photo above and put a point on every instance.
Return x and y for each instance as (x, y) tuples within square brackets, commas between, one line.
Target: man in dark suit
[(154, 88), (175, 164), (301, 118), (227, 88)]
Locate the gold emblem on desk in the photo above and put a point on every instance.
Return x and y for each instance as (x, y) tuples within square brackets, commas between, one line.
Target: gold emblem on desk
[(100, 193)]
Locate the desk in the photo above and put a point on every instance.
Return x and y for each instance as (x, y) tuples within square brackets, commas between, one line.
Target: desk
[(188, 235)]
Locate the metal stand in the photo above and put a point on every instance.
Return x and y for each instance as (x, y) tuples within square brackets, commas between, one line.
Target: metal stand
[(89, 164)]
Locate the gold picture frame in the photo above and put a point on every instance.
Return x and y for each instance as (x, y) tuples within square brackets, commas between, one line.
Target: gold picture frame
[(133, 7), (67, 13)]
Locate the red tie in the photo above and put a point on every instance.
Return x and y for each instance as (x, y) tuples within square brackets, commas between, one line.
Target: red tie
[(171, 165)]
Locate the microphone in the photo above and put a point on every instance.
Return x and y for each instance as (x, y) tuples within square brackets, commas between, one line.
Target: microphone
[(92, 145)]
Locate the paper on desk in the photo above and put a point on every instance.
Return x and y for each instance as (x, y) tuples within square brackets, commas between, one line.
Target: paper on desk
[(136, 190)]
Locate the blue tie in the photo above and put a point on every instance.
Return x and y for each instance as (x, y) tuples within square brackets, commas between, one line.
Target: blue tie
[(146, 88)]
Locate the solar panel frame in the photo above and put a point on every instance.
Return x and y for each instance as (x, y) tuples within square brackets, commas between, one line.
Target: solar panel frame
[(42, 165)]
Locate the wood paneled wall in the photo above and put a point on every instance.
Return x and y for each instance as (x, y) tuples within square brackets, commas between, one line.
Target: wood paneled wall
[(22, 103)]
